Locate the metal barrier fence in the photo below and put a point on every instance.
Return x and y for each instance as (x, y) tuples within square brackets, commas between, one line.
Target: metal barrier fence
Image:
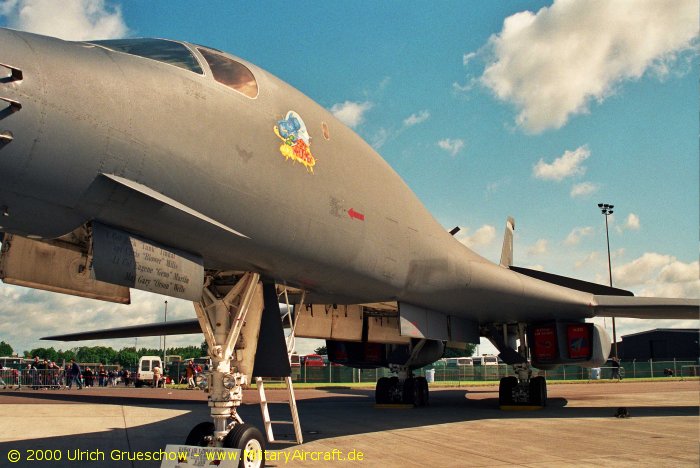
[(20, 373), (628, 369), (32, 378), (56, 378)]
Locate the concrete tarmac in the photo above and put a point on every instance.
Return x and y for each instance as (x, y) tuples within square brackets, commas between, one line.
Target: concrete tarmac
[(461, 427)]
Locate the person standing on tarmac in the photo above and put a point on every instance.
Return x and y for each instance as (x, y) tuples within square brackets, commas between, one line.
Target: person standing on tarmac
[(75, 375), (156, 376), (190, 375), (616, 369), (101, 376)]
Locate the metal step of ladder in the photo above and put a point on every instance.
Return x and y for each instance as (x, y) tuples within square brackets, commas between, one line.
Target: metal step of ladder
[(268, 422)]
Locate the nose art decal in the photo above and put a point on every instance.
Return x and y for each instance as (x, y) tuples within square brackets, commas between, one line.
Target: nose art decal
[(296, 140)]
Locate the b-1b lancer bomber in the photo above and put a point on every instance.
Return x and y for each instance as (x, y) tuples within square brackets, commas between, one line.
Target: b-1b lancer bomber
[(185, 171)]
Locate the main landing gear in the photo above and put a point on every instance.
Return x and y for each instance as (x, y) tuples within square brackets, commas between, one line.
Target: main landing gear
[(412, 391), (522, 389), (404, 387), (229, 314)]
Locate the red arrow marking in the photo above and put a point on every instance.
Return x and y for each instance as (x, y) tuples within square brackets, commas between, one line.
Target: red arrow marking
[(356, 215)]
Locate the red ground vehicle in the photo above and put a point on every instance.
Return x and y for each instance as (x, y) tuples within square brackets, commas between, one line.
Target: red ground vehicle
[(314, 360)]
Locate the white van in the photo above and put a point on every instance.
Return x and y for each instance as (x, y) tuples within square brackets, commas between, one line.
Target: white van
[(458, 362), (461, 361), (144, 373), (488, 360)]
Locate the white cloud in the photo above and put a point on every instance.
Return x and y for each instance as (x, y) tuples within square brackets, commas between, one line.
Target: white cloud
[(75, 20), (679, 272), (655, 274), (464, 88), (590, 259), (576, 234), (28, 314), (466, 58), (632, 222), (482, 236), (553, 63), (641, 269), (415, 119), (584, 189), (539, 248), (496, 186), (451, 146), (380, 138), (351, 113), (628, 326), (566, 165)]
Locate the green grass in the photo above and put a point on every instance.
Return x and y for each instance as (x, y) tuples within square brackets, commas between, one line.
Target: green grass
[(450, 384)]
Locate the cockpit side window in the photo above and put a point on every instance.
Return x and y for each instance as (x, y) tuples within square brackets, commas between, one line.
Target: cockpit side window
[(162, 50), (233, 74)]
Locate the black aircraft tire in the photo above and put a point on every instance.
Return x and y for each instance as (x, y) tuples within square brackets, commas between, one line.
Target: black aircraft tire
[(426, 390), (409, 391), (200, 434), (382, 392), (250, 441), (421, 391), (538, 391), (395, 396), (505, 390)]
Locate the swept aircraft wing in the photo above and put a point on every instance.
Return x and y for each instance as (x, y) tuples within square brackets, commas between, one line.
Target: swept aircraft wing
[(175, 327)]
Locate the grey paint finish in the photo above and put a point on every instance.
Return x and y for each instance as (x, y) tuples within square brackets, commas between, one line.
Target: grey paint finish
[(351, 232)]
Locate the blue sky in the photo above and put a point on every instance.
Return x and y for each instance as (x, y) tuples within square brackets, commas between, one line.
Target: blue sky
[(539, 110)]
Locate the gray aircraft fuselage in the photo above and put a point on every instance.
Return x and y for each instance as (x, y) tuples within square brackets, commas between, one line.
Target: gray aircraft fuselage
[(346, 228)]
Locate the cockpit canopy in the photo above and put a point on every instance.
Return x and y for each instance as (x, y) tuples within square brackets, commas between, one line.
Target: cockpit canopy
[(162, 50), (225, 70)]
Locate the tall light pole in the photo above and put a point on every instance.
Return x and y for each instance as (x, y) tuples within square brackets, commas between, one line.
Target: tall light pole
[(607, 210), (164, 347)]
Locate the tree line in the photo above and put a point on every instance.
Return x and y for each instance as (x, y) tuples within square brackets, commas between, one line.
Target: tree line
[(126, 357), (129, 356)]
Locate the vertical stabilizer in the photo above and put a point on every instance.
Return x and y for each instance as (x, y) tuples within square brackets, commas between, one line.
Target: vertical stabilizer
[(507, 251)]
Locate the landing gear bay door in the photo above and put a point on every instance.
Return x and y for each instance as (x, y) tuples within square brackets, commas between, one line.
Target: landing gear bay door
[(61, 267)]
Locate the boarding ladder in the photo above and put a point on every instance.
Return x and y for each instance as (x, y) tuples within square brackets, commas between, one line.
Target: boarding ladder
[(287, 322), (268, 422)]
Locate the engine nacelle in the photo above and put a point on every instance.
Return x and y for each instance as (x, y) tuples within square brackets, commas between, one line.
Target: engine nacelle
[(365, 355), (556, 343)]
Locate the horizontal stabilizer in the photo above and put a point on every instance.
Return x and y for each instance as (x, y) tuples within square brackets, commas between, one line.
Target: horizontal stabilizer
[(647, 307), (175, 327), (572, 283)]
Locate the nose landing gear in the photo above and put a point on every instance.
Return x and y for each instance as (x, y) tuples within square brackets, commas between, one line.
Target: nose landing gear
[(229, 315)]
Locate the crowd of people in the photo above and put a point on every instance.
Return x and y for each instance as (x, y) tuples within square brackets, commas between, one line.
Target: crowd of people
[(87, 377), (46, 374), (49, 374)]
